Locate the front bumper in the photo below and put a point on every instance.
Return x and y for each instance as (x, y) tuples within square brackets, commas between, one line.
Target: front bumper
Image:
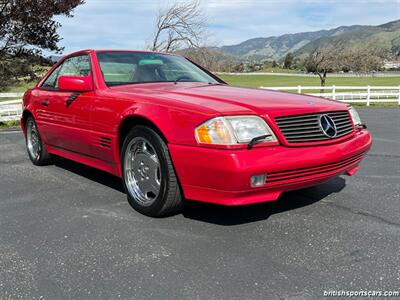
[(223, 176)]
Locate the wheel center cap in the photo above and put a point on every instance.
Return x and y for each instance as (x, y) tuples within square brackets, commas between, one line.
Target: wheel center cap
[(141, 167)]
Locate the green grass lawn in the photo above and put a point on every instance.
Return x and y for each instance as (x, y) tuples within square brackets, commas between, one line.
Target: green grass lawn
[(19, 88), (276, 80), (272, 81), (256, 81), (9, 124), (276, 70)]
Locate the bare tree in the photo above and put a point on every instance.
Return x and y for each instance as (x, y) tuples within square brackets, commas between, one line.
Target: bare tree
[(333, 58), (181, 25), (210, 58), (321, 61), (363, 59)]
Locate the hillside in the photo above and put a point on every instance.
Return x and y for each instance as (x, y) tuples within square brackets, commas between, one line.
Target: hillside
[(386, 36), (276, 47)]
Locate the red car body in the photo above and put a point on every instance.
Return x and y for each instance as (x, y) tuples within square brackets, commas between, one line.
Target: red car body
[(91, 129)]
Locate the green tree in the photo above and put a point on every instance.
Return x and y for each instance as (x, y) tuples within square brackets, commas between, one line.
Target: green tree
[(26, 28), (288, 61)]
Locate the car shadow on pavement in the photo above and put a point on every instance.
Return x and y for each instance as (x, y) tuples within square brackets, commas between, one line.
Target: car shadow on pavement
[(218, 214), (96, 175), (225, 215)]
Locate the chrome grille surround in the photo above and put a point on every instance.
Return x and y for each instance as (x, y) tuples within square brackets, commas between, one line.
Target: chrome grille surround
[(306, 128)]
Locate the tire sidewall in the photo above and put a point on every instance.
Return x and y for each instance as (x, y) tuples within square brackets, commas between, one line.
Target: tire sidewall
[(38, 158), (157, 143)]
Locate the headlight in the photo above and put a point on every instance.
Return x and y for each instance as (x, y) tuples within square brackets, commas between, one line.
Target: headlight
[(355, 116), (233, 130)]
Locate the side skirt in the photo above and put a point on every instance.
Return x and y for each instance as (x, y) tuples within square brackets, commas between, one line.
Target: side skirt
[(86, 160)]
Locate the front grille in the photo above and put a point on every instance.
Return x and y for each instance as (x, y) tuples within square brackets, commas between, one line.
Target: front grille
[(305, 128), (319, 170)]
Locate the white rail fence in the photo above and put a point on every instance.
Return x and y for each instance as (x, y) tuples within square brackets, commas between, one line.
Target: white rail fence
[(12, 109), (351, 94), (346, 75)]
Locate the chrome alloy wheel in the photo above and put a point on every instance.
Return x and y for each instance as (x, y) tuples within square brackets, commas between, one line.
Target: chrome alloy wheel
[(33, 140), (142, 171)]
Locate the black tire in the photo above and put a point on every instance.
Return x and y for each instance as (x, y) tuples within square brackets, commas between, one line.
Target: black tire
[(169, 198), (42, 157)]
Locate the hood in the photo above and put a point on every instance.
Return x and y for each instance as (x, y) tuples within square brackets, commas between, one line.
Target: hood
[(226, 99)]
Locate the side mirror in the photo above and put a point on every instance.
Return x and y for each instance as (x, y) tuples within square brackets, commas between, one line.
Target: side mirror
[(75, 83)]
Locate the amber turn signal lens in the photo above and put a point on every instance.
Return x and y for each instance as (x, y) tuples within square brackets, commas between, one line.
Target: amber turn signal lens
[(203, 136)]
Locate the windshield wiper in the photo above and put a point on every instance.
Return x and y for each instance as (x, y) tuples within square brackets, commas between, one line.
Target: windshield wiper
[(257, 139), (216, 83)]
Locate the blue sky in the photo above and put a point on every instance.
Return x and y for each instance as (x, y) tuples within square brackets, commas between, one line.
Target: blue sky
[(129, 24)]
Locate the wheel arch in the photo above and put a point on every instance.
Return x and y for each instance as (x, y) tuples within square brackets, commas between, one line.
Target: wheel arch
[(134, 120), (25, 114)]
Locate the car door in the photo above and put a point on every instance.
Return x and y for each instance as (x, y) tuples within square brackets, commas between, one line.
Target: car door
[(64, 116)]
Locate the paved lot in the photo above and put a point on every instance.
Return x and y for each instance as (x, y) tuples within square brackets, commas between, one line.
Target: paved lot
[(67, 232)]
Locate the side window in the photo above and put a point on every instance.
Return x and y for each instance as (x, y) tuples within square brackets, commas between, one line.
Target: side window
[(73, 66), (76, 66), (50, 82)]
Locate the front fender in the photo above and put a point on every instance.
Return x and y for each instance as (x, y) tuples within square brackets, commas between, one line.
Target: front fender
[(177, 125)]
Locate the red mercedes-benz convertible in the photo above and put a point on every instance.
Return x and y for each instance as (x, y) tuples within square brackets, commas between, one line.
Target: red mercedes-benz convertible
[(174, 131)]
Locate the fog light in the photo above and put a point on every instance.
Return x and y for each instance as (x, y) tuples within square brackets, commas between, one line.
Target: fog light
[(257, 180)]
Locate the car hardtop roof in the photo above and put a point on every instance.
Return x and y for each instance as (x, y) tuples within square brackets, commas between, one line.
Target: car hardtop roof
[(114, 50)]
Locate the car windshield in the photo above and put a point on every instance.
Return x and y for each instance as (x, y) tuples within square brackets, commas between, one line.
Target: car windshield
[(119, 68)]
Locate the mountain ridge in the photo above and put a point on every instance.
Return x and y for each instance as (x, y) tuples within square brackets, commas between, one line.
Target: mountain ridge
[(385, 35)]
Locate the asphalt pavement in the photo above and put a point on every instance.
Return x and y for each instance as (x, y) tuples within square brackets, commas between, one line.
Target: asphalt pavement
[(67, 232)]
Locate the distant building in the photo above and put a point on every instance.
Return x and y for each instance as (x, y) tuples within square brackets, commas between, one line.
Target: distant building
[(390, 65)]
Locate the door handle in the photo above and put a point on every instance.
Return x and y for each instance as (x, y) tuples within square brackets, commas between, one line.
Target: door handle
[(45, 103)]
